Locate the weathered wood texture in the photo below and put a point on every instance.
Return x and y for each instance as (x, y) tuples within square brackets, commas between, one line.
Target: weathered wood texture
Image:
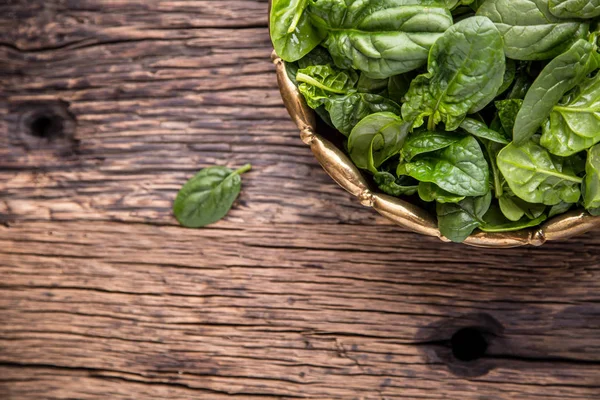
[(298, 293)]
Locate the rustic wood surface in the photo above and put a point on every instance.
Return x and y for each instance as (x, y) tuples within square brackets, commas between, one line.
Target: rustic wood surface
[(106, 107)]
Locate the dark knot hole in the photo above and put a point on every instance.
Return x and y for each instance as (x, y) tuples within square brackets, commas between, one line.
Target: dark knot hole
[(46, 126), (468, 344)]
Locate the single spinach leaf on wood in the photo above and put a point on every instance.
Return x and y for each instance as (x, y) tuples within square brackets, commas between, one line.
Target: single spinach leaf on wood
[(465, 70), (574, 124), (318, 82), (208, 196), (537, 177), (382, 38), (346, 111), (480, 130), (431, 192), (558, 77), (591, 186), (401, 186), (529, 30), (457, 221), (427, 142), (376, 138), (460, 168), (292, 34), (586, 9)]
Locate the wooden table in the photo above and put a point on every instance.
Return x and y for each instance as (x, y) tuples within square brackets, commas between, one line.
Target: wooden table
[(107, 107)]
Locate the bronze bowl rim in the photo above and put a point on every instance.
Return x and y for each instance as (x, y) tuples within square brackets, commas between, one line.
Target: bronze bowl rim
[(407, 215)]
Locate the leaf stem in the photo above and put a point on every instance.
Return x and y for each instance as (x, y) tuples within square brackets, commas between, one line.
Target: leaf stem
[(299, 11), (300, 77), (430, 123), (243, 169)]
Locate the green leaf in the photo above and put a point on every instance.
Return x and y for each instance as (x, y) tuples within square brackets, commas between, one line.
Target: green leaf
[(398, 86), (457, 221), (557, 78), (515, 208), (383, 133), (208, 196), (585, 9), (382, 38), (591, 186), (574, 124), (492, 149), (431, 192), (346, 111), (529, 30), (465, 70), (537, 177), (494, 221), (460, 168), (507, 112), (427, 142), (318, 82), (401, 186), (509, 76), (292, 34), (370, 85), (480, 130), (559, 208), (510, 209)]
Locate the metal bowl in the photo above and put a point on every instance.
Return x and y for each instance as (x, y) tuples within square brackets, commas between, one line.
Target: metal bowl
[(410, 216)]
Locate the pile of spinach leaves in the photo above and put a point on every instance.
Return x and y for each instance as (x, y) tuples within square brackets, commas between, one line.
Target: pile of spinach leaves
[(487, 110)]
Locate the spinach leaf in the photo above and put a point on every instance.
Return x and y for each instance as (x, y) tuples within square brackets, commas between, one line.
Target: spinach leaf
[(509, 76), (431, 192), (558, 77), (460, 168), (292, 34), (394, 87), (376, 138), (401, 186), (480, 130), (346, 111), (465, 70), (559, 208), (591, 186), (507, 112), (318, 82), (492, 149), (398, 86), (427, 142), (457, 221), (375, 86), (514, 209), (494, 221), (382, 38), (537, 177), (586, 9), (574, 124), (529, 30), (208, 196)]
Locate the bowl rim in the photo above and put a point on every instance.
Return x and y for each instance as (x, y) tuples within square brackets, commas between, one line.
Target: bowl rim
[(403, 213)]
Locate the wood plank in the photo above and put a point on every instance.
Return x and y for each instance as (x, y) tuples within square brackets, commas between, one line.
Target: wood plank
[(299, 292)]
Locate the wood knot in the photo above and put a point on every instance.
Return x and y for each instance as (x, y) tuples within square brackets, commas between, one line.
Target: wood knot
[(45, 125), (462, 343)]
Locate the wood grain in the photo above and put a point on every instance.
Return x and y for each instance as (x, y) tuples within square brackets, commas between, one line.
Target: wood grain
[(299, 293)]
